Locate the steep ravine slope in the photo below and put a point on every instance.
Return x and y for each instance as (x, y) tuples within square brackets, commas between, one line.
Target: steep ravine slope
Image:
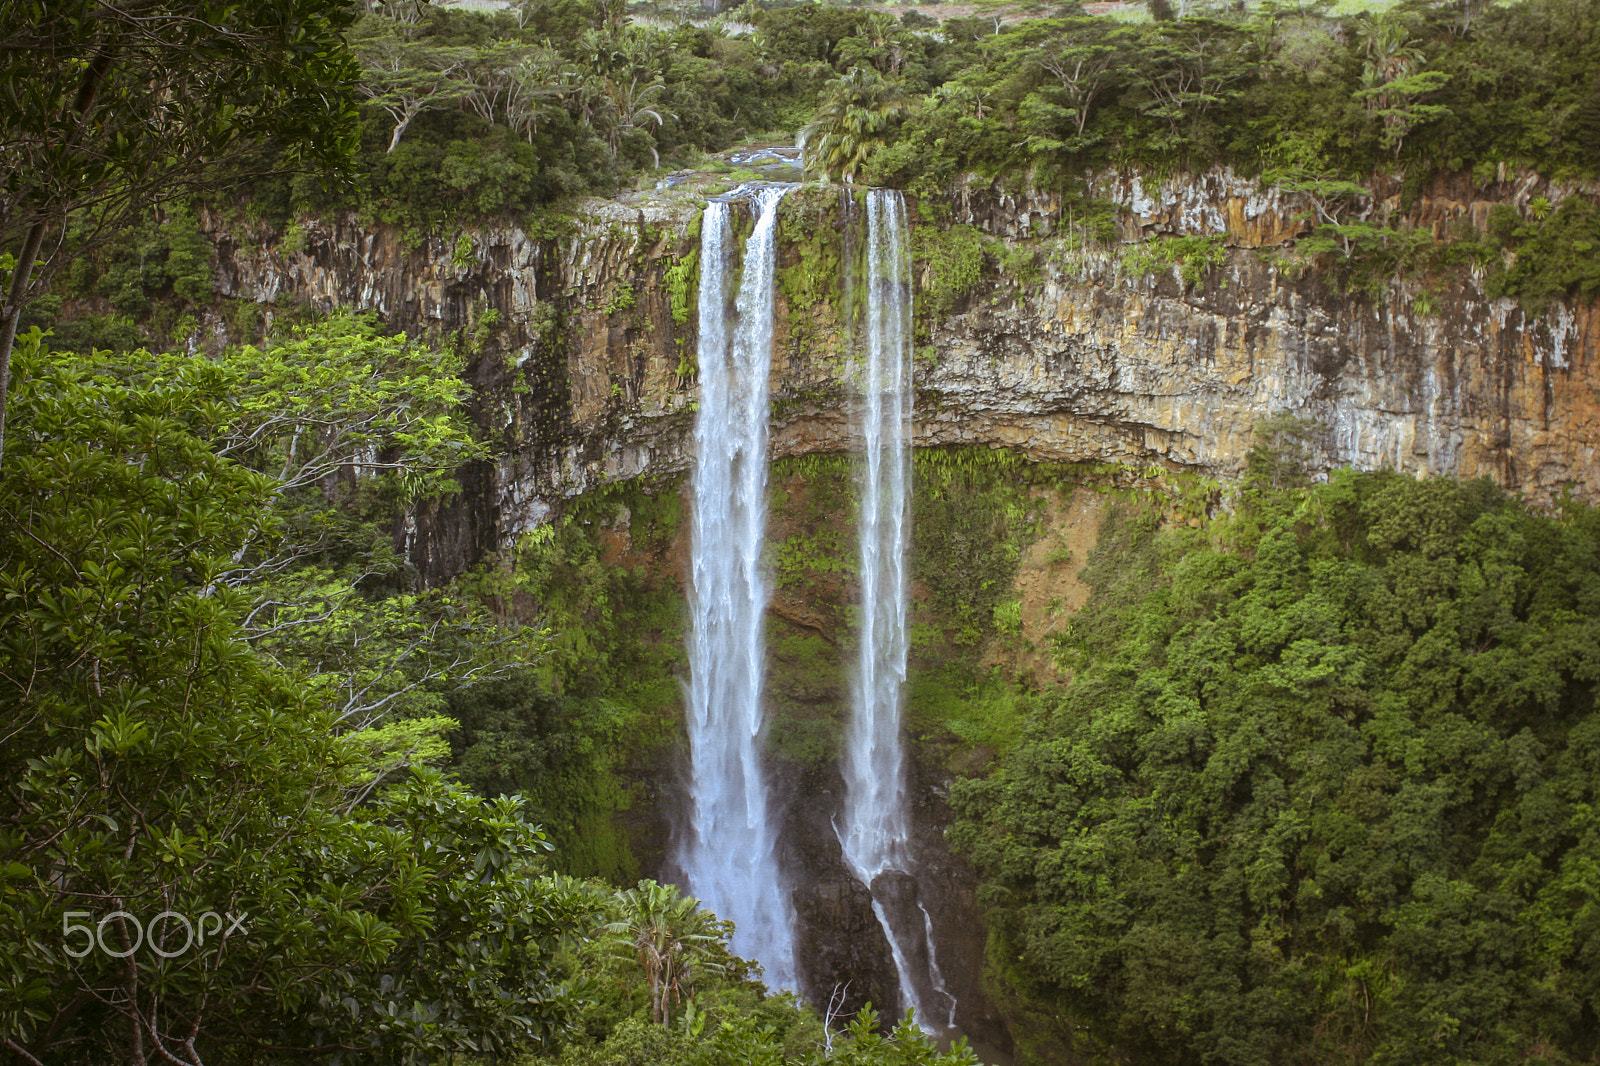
[(1088, 358)]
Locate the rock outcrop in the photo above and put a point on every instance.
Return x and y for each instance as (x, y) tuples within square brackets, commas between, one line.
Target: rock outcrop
[(581, 346)]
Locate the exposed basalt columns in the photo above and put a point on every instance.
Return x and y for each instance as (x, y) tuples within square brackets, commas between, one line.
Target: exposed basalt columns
[(1221, 202), (579, 382)]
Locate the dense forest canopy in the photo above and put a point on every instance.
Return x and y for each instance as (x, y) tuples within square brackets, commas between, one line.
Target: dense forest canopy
[(541, 100), (1321, 788), (461, 116)]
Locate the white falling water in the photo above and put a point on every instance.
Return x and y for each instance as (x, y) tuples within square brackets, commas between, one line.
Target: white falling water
[(935, 978), (729, 857), (875, 836)]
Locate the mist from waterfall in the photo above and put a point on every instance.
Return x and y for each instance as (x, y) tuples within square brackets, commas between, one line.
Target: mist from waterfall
[(729, 856), (875, 834)]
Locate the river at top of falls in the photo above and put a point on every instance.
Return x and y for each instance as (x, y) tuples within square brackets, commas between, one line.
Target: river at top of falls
[(729, 857)]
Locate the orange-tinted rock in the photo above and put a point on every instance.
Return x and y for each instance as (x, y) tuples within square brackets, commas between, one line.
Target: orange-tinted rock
[(587, 379)]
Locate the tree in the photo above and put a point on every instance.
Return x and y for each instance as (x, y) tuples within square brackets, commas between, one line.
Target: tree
[(1391, 84), (1297, 165), (539, 81), (494, 77), (156, 770), (115, 104), (850, 123), (1189, 67), (631, 105), (406, 77), (336, 412), (879, 41), (352, 426), (671, 938), (997, 11), (1086, 58)]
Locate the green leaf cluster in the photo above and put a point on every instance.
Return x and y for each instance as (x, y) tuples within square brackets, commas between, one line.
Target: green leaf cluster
[(1557, 257), (155, 762), (1430, 85), (113, 106), (1321, 786), (972, 517), (1193, 256), (572, 732)]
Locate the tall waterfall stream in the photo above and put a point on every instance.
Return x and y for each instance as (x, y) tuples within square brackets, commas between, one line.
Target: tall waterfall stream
[(875, 832), (730, 856)]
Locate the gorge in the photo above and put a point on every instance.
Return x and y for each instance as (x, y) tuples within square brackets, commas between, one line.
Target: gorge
[(1031, 343), (628, 533)]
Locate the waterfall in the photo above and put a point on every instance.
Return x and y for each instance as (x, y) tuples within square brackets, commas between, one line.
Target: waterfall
[(875, 836), (728, 858)]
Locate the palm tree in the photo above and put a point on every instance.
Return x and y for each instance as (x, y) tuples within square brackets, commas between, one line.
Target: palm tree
[(851, 122), (630, 108), (1390, 88), (1389, 55), (672, 939)]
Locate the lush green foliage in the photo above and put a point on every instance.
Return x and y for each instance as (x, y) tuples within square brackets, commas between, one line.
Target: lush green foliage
[(470, 115), (852, 121), (473, 115), (155, 763), (1432, 86), (571, 734), (1429, 86), (1321, 787), (1556, 256), (110, 106), (352, 426), (672, 940), (659, 987), (972, 515), (570, 756), (171, 751), (478, 114)]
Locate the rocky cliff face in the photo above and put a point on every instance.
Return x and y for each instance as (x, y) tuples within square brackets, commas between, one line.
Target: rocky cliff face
[(1428, 375), (1084, 353)]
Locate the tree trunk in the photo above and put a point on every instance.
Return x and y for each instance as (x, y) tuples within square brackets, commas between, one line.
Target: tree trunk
[(401, 121), (15, 300)]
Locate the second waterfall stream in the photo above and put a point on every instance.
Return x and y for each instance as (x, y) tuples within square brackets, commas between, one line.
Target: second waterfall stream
[(874, 828)]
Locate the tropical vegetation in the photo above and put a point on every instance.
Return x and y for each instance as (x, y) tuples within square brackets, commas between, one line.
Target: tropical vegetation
[(1320, 788)]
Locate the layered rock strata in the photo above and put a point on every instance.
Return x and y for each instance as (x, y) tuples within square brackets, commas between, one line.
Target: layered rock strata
[(582, 373)]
